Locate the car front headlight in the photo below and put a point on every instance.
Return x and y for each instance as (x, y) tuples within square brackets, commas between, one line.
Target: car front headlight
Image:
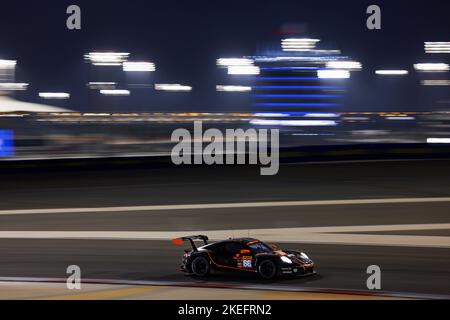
[(303, 255), (286, 259)]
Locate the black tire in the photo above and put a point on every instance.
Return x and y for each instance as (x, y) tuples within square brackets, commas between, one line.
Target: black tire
[(267, 269), (200, 267)]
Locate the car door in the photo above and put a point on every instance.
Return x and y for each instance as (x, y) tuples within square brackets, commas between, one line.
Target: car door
[(240, 256), (245, 258), (228, 254)]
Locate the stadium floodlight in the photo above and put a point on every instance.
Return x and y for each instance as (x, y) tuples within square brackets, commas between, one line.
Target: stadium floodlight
[(106, 58), (243, 70), (224, 88), (54, 95), (333, 74), (138, 66), (172, 87), (431, 67), (115, 92), (391, 72), (344, 65)]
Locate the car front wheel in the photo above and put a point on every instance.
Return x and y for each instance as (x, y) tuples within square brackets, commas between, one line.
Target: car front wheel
[(267, 269)]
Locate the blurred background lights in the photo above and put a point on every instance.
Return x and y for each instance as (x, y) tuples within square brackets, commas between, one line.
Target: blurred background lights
[(437, 47), (333, 74), (226, 62), (438, 140), (106, 58), (172, 87), (391, 72), (138, 66), (4, 64), (101, 85), (302, 44), (292, 123), (54, 95), (115, 92), (431, 67), (435, 82), (344, 65), (13, 86), (233, 88), (243, 70)]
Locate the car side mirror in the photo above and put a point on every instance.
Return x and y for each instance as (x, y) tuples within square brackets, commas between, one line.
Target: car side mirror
[(245, 251), (274, 246)]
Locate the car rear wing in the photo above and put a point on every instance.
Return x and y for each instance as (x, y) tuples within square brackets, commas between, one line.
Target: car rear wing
[(191, 239)]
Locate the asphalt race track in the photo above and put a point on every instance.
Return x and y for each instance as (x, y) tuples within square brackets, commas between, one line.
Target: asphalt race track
[(418, 263)]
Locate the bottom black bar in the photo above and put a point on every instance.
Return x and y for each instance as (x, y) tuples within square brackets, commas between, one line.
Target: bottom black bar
[(229, 309)]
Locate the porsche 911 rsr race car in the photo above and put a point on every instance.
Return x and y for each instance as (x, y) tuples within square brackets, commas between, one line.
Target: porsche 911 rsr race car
[(242, 255)]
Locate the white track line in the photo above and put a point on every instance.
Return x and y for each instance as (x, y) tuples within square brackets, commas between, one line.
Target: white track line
[(318, 235), (226, 205)]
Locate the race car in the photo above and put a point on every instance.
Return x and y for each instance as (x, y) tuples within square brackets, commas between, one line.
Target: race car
[(242, 255)]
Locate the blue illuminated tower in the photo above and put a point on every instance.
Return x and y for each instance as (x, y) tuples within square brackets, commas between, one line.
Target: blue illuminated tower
[(301, 85)]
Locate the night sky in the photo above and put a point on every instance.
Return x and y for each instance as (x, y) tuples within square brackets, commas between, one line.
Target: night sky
[(184, 39)]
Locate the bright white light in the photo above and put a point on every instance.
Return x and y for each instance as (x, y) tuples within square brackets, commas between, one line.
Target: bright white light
[(13, 86), (233, 88), (321, 115), (304, 255), (286, 259), (299, 123), (400, 118), (436, 82), (438, 140), (300, 40), (8, 64), (392, 72), (226, 62), (115, 92), (138, 67), (54, 95), (333, 74), (313, 59), (344, 65), (243, 70), (437, 47), (96, 114), (431, 67), (298, 44), (106, 58), (172, 87), (271, 114)]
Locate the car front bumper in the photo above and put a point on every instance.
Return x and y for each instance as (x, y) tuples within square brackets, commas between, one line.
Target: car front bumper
[(297, 270)]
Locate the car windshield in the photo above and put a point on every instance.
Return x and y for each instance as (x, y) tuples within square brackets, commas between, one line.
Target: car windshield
[(260, 247)]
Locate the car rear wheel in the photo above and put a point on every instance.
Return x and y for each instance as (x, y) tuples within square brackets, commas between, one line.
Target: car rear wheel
[(200, 266), (267, 269)]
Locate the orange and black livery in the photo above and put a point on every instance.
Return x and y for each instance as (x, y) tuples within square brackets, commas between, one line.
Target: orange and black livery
[(242, 255)]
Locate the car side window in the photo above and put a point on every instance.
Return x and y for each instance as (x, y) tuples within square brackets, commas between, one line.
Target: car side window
[(218, 248), (221, 253), (232, 248)]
